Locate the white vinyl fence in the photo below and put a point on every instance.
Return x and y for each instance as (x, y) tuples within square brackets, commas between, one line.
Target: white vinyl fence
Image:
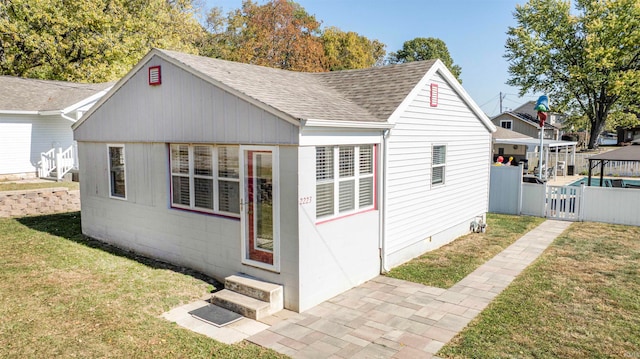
[(508, 195)]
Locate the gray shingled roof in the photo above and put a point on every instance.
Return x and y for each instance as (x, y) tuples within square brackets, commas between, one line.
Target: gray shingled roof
[(625, 153), (21, 94), (356, 95), (503, 133)]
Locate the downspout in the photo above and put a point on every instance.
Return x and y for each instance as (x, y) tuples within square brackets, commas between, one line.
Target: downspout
[(383, 203)]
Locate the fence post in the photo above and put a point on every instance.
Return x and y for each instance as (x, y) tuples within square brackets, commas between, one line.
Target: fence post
[(582, 200), (59, 163)]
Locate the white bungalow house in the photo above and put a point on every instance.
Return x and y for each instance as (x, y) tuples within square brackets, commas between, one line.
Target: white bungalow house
[(315, 181), (35, 124)]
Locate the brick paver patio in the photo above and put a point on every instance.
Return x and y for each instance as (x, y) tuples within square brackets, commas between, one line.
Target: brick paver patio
[(391, 318)]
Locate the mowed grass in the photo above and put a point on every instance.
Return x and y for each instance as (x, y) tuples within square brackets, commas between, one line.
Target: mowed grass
[(447, 265), (17, 186), (63, 295), (580, 299)]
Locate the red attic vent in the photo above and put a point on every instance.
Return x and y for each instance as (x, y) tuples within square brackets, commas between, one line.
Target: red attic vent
[(155, 77), (434, 95)]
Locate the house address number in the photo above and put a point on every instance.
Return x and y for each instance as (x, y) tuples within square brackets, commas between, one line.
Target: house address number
[(305, 200)]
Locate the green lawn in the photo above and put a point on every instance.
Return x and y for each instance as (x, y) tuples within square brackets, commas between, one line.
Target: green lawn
[(15, 186), (580, 299), (62, 295), (447, 265)]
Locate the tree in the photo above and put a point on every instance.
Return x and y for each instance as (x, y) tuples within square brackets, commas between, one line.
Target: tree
[(278, 34), (90, 41), (428, 48), (587, 60), (348, 50)]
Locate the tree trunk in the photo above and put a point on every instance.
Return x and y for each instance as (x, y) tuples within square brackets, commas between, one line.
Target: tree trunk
[(597, 125)]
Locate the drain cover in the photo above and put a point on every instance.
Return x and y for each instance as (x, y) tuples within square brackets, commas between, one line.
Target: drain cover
[(215, 315)]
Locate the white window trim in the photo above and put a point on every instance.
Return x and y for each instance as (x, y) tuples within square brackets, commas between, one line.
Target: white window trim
[(336, 180), (124, 169), (443, 165), (510, 122), (191, 175)]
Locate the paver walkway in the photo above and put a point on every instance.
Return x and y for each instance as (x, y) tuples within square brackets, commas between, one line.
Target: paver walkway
[(391, 318)]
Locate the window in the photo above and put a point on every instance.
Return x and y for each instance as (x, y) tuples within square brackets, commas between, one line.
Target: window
[(205, 178), (438, 160), (506, 124), (344, 179), (117, 177)]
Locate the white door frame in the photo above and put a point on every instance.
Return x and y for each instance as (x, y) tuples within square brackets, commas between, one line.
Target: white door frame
[(244, 207)]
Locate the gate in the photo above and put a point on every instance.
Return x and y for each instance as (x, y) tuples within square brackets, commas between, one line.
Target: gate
[(564, 203)]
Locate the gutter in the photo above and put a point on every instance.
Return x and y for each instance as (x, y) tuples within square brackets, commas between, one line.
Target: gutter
[(12, 112), (347, 124), (383, 203)]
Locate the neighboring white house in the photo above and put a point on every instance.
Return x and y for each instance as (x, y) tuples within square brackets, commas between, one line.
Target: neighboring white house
[(315, 181), (35, 117)]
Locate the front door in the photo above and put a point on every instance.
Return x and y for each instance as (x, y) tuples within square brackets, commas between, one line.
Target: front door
[(260, 207)]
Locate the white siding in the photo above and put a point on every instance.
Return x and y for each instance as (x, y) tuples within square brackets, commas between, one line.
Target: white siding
[(184, 108), (23, 138), (336, 255), (420, 216), (146, 224)]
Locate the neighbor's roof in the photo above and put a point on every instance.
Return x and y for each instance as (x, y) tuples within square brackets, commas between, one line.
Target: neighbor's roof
[(626, 153), (526, 118), (22, 94), (354, 95), (503, 133)]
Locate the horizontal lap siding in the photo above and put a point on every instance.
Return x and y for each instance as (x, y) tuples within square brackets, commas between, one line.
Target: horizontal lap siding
[(415, 209), (23, 138), (184, 108)]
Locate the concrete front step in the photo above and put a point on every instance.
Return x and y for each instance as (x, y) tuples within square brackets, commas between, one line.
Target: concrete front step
[(251, 287), (249, 307)]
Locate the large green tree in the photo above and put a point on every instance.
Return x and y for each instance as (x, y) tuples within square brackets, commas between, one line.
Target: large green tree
[(425, 48), (586, 58), (348, 50), (90, 41)]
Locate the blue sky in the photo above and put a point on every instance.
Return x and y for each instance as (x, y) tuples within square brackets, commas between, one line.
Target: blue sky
[(474, 31)]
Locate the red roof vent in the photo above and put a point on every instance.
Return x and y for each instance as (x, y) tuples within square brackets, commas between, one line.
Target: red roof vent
[(155, 77)]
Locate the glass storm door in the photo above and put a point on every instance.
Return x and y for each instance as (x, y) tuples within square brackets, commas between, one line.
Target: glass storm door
[(259, 212)]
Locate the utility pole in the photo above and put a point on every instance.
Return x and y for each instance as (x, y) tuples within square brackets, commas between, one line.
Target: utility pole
[(502, 98)]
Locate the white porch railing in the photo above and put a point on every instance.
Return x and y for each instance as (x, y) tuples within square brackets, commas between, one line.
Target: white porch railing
[(55, 163)]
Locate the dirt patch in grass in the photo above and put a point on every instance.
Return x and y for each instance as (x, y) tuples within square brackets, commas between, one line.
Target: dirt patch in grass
[(64, 295), (579, 300), (447, 265)]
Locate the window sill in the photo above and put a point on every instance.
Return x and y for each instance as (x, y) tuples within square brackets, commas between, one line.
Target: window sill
[(342, 216), (221, 215)]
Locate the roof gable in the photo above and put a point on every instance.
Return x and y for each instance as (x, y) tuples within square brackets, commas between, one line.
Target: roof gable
[(342, 97), (22, 94)]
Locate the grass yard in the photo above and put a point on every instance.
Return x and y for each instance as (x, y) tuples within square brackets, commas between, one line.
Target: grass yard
[(62, 295), (447, 265), (580, 299), (15, 186)]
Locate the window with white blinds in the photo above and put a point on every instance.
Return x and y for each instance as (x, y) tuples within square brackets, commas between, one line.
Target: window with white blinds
[(438, 161), (344, 179), (205, 178)]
